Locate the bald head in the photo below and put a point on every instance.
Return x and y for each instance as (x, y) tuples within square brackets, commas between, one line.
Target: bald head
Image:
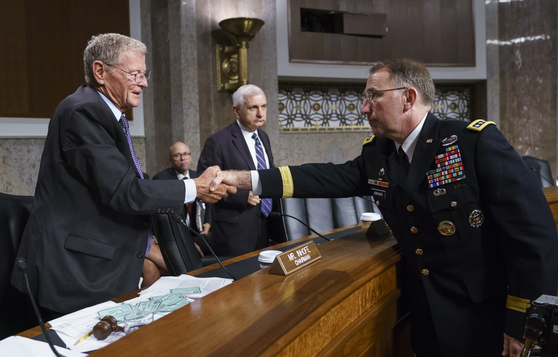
[(180, 157)]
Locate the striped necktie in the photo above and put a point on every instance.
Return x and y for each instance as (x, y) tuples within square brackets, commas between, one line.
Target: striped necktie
[(126, 128), (260, 157)]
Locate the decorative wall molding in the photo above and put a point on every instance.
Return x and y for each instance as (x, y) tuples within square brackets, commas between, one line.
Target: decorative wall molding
[(305, 107)]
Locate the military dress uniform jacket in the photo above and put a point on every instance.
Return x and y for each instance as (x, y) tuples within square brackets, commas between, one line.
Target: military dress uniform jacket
[(474, 244), (86, 237)]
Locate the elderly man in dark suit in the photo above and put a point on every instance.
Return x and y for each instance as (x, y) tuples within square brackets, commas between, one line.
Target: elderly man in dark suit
[(240, 222), (90, 226), (478, 238)]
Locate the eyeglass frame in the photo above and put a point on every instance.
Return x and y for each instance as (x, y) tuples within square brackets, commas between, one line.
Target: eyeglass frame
[(181, 154), (146, 74), (370, 96)]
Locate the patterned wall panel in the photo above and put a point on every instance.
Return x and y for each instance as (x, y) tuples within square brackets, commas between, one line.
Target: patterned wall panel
[(336, 107)]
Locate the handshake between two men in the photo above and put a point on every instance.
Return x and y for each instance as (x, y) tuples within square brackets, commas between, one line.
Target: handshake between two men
[(215, 184)]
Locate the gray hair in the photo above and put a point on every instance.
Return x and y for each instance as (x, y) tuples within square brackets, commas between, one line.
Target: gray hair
[(247, 90), (409, 73), (108, 48)]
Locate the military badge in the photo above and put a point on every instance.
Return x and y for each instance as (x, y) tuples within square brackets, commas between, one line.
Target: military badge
[(446, 228), (448, 141), (439, 192), (476, 218), (382, 172)]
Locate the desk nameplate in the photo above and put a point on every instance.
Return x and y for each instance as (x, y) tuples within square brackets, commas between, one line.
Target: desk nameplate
[(295, 259)]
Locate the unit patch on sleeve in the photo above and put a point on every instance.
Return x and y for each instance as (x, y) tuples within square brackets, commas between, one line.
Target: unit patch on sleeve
[(449, 168)]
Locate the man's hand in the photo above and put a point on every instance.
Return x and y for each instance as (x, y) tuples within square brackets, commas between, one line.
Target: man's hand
[(206, 227), (217, 191), (238, 179), (199, 250), (512, 347), (253, 200)]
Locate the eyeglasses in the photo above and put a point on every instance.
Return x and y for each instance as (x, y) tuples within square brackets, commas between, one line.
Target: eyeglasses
[(138, 77), (181, 155), (372, 94)]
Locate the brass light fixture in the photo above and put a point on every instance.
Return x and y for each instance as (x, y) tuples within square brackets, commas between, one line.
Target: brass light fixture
[(232, 61)]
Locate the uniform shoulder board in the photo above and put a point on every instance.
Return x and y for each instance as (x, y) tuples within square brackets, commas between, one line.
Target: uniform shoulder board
[(368, 140), (479, 124)]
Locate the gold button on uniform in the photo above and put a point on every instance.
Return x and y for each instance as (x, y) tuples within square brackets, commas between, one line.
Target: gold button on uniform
[(410, 208), (425, 272), (377, 203), (419, 251), (453, 204), (414, 230)]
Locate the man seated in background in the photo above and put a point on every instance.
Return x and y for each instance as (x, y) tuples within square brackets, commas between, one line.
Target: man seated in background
[(197, 214)]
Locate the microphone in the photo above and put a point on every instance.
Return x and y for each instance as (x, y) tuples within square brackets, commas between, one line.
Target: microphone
[(277, 214), (176, 217), (21, 264)]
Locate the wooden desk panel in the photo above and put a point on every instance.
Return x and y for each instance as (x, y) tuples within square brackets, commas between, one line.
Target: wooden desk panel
[(551, 194), (346, 303)]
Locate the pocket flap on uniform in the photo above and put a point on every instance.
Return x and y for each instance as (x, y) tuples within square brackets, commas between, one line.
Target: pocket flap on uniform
[(90, 247), (450, 196)]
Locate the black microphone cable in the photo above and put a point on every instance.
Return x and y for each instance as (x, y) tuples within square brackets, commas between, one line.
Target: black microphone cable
[(277, 214), (179, 219), (541, 175), (21, 264)]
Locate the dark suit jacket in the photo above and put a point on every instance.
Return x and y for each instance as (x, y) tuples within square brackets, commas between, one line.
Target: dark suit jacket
[(236, 224), (86, 237), (457, 278), (170, 174)]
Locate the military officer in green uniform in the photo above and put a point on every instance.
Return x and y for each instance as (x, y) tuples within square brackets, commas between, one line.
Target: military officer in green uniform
[(478, 237)]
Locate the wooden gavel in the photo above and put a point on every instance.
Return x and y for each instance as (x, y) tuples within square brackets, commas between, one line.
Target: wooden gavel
[(105, 327)]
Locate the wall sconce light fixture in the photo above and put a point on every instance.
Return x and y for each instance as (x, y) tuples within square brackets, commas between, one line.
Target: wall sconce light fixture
[(232, 61)]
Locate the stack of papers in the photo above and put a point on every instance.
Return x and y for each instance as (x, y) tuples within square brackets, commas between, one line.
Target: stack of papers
[(163, 297)]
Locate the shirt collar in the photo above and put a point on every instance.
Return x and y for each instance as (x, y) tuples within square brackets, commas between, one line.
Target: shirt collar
[(245, 132), (410, 143), (117, 113), (181, 176)]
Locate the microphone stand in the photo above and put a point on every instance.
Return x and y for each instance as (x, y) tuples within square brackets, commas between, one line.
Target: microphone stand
[(179, 219), (277, 214), (21, 264)]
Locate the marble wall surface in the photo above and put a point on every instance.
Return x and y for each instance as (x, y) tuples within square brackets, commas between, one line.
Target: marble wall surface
[(20, 159), (19, 164), (302, 148), (522, 74)]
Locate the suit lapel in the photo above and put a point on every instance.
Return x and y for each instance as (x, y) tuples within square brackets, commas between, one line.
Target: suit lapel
[(427, 146), (241, 146)]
